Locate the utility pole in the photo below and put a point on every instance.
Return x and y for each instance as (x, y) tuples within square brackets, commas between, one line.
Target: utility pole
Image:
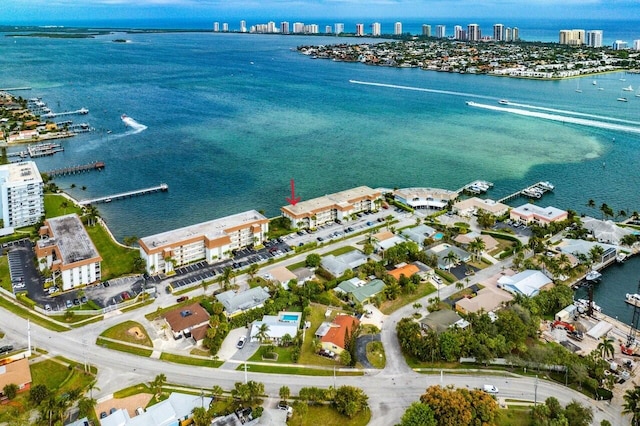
[(334, 377), (245, 372)]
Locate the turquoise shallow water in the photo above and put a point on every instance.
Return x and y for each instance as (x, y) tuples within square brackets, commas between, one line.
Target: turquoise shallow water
[(232, 118)]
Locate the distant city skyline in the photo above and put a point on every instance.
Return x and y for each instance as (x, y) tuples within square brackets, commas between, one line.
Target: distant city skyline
[(51, 12)]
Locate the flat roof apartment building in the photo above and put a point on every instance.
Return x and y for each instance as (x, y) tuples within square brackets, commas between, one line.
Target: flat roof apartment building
[(341, 205), (68, 250), (209, 241), (21, 194), (425, 198)]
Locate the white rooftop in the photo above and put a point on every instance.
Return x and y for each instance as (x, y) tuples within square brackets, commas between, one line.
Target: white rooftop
[(212, 229), (527, 282), (531, 209), (23, 172)]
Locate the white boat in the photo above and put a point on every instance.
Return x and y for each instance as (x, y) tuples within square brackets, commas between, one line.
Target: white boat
[(547, 185), (593, 275), (622, 99), (532, 192), (595, 83), (629, 88), (585, 304), (632, 298), (503, 102), (621, 257)]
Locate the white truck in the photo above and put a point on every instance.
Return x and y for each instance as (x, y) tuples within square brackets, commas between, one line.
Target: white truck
[(490, 389)]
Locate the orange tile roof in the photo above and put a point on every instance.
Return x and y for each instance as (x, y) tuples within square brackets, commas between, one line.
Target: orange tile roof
[(406, 270), (17, 372), (338, 330)]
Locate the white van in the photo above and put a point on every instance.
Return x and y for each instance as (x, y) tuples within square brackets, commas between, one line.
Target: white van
[(490, 389)]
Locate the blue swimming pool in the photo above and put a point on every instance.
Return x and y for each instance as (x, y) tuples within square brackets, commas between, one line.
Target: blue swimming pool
[(290, 317), (438, 236)]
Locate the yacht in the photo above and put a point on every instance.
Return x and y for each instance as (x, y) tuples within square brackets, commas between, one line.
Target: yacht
[(622, 99), (503, 102), (593, 275), (547, 185), (629, 88), (621, 257), (595, 83), (632, 298), (585, 304)]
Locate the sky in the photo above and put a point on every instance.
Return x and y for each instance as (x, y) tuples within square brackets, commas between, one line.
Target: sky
[(59, 12)]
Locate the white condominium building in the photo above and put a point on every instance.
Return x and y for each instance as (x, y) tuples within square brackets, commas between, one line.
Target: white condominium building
[(426, 30), (636, 44), (327, 29), (375, 29), (338, 28), (594, 38), (473, 32), (340, 206), (243, 26), (216, 26), (425, 198), (441, 31), (225, 27), (359, 29), (68, 252), (515, 34), (21, 194), (397, 28), (298, 27), (498, 32), (458, 33), (209, 241)]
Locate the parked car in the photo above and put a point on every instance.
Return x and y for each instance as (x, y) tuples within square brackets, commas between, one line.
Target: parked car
[(76, 302), (47, 307), (69, 304), (84, 299), (241, 342), (182, 299), (103, 414), (6, 349)]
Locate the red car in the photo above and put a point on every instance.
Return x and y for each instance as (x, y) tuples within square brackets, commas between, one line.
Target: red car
[(182, 299)]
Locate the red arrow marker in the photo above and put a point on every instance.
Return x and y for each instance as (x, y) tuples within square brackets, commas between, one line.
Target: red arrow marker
[(293, 200)]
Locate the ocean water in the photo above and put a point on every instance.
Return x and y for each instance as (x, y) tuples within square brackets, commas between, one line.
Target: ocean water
[(231, 118)]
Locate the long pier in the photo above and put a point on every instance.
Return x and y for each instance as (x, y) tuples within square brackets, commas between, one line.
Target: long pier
[(81, 111), (163, 187), (97, 165), (11, 89), (537, 190)]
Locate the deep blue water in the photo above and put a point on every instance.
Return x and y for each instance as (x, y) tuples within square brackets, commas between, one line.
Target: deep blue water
[(232, 118)]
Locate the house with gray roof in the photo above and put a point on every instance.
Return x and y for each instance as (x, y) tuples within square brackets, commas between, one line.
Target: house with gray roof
[(419, 233), (236, 303), (442, 320), (338, 265), (442, 251), (359, 290)]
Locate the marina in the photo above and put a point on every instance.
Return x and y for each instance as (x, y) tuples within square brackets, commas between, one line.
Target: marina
[(537, 190), (97, 165), (476, 187), (81, 111), (163, 187), (36, 151)]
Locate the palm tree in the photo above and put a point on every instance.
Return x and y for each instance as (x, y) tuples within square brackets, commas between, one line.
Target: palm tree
[(460, 285), (86, 406), (285, 393), (477, 246), (158, 383), (632, 405), (263, 333), (253, 270), (605, 347), (227, 274), (92, 214), (91, 387), (202, 416), (451, 259), (217, 391), (596, 253), (64, 205)]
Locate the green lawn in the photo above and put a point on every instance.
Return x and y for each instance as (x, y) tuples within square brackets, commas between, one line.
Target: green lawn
[(5, 277), (158, 313), (284, 355), (122, 347), (132, 390), (124, 331), (26, 313), (340, 250), (424, 289), (375, 354), (297, 265), (49, 373), (328, 416), (515, 416), (302, 371), (52, 206), (116, 260), (181, 359)]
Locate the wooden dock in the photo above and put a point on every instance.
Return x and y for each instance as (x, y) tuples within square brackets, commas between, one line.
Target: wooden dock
[(39, 150), (97, 165), (81, 111), (163, 187), (537, 190)]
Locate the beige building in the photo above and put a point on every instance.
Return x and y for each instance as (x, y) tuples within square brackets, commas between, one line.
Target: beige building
[(471, 206), (209, 241), (340, 206), (572, 37), (486, 300), (530, 213), (67, 250)]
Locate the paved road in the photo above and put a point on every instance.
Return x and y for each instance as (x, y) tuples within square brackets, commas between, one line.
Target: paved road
[(390, 391)]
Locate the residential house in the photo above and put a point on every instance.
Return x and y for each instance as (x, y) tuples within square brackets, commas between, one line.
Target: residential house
[(303, 275), (236, 303), (486, 299), (404, 269), (332, 334), (16, 372), (490, 243), (173, 411), (419, 233), (581, 248), (443, 250), (183, 320), (527, 283), (385, 240), (442, 320), (338, 265), (360, 291), (278, 325), (281, 275)]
